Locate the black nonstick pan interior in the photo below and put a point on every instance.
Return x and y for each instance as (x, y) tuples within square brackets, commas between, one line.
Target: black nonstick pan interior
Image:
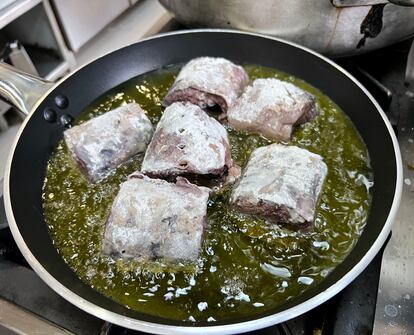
[(39, 138)]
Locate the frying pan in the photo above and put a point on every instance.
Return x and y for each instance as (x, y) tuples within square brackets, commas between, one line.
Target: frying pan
[(56, 105)]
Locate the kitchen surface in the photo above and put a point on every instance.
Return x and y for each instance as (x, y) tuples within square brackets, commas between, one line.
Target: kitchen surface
[(51, 38)]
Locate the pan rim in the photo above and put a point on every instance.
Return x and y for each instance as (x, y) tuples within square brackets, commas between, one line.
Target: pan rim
[(266, 321)]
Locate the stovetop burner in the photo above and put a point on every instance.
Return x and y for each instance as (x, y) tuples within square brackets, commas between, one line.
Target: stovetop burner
[(350, 312)]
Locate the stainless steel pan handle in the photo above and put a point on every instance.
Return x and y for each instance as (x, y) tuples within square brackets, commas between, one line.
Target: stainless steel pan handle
[(20, 89)]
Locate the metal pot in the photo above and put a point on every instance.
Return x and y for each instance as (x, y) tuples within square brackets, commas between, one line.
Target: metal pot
[(335, 28)]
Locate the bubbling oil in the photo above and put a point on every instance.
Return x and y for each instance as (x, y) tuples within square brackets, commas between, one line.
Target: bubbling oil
[(245, 266)]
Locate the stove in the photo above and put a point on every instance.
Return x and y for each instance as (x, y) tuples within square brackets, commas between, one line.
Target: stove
[(379, 301)]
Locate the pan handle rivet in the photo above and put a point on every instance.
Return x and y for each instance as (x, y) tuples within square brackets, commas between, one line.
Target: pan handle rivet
[(66, 120), (61, 101), (49, 114)]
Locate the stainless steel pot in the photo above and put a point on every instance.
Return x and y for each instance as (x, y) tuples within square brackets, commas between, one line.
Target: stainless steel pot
[(335, 28)]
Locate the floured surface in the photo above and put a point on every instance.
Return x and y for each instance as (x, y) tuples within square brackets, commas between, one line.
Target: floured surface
[(281, 183), (207, 81), (272, 108), (101, 144), (245, 266), (152, 219), (187, 141)]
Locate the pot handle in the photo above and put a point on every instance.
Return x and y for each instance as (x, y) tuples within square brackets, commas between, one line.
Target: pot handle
[(402, 2), (20, 89)]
